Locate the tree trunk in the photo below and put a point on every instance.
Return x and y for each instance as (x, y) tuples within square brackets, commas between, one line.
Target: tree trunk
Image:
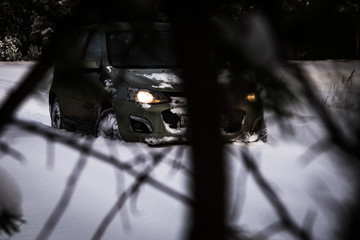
[(208, 218)]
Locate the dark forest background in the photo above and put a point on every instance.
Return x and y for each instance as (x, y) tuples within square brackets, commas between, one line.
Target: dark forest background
[(308, 29)]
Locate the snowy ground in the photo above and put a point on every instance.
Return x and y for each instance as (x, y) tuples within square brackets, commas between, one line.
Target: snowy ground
[(317, 186)]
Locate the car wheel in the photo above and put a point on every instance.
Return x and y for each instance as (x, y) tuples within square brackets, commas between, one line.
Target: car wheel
[(107, 125), (55, 115)]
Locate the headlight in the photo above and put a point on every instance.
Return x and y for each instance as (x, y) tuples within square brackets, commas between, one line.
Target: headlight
[(146, 96), (251, 97)]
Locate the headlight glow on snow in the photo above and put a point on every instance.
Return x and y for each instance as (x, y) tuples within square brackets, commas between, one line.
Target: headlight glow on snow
[(251, 97), (146, 96)]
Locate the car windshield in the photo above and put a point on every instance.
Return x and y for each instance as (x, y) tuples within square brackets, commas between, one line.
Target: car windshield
[(151, 49)]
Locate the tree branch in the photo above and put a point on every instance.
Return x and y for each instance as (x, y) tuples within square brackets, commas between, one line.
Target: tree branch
[(72, 143)]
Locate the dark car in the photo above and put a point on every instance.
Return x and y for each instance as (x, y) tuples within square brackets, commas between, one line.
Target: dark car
[(126, 84)]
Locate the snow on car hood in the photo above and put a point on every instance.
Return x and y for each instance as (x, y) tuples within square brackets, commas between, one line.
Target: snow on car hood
[(156, 79), (163, 80), (166, 80)]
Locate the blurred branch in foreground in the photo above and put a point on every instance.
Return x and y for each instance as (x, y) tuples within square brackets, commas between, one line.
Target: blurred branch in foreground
[(287, 222), (64, 201), (116, 163), (133, 189)]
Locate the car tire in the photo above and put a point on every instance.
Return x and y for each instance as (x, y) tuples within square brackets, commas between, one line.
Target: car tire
[(56, 116), (107, 125)]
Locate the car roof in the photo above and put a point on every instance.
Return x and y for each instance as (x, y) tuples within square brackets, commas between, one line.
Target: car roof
[(129, 26)]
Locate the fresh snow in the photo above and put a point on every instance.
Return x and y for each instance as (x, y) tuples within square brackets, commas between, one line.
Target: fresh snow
[(109, 68), (303, 186), (109, 87), (176, 131), (163, 85), (164, 77), (178, 102), (224, 77), (161, 140), (145, 105), (165, 80), (179, 111)]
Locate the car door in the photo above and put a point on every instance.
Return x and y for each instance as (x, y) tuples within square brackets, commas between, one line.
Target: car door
[(89, 91), (65, 74)]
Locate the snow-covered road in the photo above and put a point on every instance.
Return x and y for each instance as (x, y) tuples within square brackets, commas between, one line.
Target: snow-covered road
[(317, 186)]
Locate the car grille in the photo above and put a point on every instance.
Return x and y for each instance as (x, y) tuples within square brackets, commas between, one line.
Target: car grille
[(231, 122), (171, 119)]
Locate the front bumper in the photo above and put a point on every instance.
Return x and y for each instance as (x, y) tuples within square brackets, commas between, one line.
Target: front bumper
[(151, 123), (169, 122)]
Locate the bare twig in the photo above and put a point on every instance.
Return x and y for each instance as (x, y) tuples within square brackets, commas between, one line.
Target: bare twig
[(285, 217), (142, 178), (120, 184), (314, 151), (5, 148), (50, 154), (64, 201), (10, 223), (270, 230), (240, 192), (337, 136), (72, 143), (309, 220), (175, 163)]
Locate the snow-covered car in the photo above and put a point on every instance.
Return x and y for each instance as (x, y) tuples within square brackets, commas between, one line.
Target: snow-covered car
[(127, 85)]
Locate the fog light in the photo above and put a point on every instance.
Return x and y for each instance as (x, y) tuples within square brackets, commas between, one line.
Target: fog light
[(251, 97), (140, 125)]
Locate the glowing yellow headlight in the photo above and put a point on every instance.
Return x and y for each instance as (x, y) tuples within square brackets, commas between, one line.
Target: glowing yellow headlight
[(145, 97), (251, 97)]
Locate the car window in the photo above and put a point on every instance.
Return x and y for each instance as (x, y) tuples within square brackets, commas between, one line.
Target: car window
[(149, 49), (93, 51), (77, 51)]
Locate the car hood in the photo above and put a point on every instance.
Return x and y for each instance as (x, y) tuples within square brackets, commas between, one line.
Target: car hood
[(164, 80)]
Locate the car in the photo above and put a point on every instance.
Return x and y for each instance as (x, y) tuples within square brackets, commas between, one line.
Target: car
[(125, 84)]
